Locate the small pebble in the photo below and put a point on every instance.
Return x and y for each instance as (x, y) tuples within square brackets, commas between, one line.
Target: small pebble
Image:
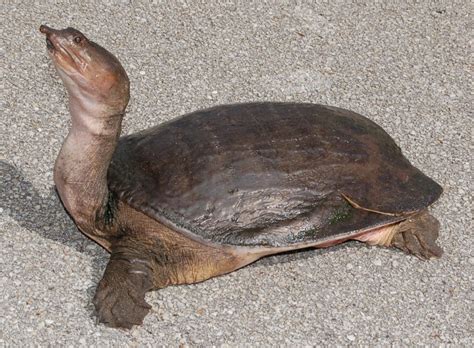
[(377, 262)]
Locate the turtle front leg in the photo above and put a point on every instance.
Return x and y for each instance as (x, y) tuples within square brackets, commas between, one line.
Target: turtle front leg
[(416, 235), (148, 262), (120, 296)]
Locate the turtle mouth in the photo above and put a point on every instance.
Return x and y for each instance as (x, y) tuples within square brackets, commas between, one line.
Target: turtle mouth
[(49, 45)]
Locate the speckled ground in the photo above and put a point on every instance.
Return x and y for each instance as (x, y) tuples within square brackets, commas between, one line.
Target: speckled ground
[(404, 66)]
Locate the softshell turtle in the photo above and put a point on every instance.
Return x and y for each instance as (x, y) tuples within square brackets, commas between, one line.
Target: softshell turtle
[(216, 189)]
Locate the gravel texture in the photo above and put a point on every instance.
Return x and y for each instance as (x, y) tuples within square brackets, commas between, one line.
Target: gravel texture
[(405, 66)]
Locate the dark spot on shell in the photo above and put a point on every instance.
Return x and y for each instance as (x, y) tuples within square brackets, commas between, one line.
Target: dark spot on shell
[(340, 214)]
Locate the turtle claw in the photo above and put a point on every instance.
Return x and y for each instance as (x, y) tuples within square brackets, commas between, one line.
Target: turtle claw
[(417, 236), (120, 297)]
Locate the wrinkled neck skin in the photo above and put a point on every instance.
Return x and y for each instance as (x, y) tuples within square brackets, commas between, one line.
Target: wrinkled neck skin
[(80, 172)]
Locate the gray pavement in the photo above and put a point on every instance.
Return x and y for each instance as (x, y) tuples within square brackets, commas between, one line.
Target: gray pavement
[(404, 66)]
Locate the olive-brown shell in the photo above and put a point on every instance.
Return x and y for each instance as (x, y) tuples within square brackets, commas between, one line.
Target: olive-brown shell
[(270, 174)]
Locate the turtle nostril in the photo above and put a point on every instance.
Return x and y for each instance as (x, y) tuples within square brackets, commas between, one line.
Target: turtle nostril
[(44, 29)]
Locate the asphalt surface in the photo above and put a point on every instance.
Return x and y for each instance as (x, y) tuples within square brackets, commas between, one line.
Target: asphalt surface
[(404, 66)]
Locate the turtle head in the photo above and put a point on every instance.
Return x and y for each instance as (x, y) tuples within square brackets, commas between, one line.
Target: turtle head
[(92, 75)]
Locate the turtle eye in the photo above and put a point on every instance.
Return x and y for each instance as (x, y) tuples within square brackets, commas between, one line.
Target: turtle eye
[(78, 39)]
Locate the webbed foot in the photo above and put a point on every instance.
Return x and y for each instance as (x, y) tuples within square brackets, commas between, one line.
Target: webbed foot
[(120, 297), (417, 235)]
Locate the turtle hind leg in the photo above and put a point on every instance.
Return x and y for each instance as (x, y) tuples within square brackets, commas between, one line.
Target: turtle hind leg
[(120, 296), (417, 235)]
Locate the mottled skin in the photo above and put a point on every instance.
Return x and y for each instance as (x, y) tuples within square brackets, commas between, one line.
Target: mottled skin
[(215, 190)]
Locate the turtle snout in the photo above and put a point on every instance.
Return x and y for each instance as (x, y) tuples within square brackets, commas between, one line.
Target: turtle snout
[(46, 30), (49, 32)]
